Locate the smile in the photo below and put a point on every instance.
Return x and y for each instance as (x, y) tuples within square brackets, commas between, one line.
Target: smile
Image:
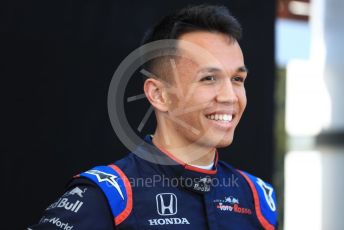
[(220, 117)]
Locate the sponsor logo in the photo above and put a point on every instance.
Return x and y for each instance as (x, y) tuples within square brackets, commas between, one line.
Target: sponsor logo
[(76, 191), (108, 178), (165, 221), (64, 203), (232, 200), (203, 184), (57, 222), (166, 205), (268, 191), (229, 199), (231, 204), (235, 208)]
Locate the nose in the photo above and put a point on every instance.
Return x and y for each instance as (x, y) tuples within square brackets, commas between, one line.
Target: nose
[(226, 93)]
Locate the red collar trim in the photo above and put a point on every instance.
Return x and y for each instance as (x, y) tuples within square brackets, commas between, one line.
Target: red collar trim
[(190, 167)]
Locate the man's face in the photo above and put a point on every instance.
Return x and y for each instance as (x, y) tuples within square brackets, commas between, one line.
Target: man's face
[(207, 96)]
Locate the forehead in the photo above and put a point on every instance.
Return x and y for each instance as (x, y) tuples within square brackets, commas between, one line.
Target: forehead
[(211, 49)]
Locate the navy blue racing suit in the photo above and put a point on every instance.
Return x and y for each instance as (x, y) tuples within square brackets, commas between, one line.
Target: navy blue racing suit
[(134, 193)]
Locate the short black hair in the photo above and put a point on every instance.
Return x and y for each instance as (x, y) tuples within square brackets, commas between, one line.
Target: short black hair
[(209, 18), (203, 17)]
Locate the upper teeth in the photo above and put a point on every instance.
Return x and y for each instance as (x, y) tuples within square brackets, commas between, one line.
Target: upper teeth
[(220, 117)]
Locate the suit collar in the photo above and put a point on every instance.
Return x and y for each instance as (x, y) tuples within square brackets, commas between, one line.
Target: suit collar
[(190, 177)]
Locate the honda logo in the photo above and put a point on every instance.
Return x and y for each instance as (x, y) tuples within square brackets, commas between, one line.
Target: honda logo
[(166, 204)]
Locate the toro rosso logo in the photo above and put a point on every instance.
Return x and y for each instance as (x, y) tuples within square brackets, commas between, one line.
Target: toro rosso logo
[(231, 204)]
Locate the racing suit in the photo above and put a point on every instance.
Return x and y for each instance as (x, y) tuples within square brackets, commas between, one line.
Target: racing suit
[(134, 193)]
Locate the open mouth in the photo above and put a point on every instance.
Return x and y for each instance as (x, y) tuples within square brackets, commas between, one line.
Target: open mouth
[(221, 117)]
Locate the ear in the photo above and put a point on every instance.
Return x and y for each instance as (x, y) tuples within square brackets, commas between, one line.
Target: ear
[(156, 94)]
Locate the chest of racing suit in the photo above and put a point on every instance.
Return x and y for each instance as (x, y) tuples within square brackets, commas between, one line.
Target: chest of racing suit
[(163, 193)]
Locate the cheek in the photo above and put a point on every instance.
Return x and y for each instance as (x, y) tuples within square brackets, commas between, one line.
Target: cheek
[(199, 102), (175, 104), (204, 95), (192, 103), (242, 98), (244, 102), (195, 96), (195, 105)]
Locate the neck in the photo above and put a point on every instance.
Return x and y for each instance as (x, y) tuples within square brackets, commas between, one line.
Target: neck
[(189, 153)]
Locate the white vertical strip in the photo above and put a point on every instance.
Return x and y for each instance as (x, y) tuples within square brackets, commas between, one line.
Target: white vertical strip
[(303, 191), (333, 189), (307, 103)]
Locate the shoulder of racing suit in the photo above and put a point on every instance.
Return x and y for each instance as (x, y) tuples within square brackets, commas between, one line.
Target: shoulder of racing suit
[(264, 200), (116, 188), (82, 206)]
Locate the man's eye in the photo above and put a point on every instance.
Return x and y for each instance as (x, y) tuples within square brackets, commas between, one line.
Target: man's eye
[(208, 78), (238, 79)]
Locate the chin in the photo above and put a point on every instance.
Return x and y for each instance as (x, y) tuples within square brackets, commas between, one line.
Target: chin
[(221, 141), (224, 143)]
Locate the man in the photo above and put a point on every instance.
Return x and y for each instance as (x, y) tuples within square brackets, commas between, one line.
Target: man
[(198, 95)]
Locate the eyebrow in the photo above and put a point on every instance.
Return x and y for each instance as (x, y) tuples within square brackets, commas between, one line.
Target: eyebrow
[(242, 69)]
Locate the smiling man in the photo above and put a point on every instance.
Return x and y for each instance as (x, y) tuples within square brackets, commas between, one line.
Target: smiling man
[(205, 91), (198, 95)]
